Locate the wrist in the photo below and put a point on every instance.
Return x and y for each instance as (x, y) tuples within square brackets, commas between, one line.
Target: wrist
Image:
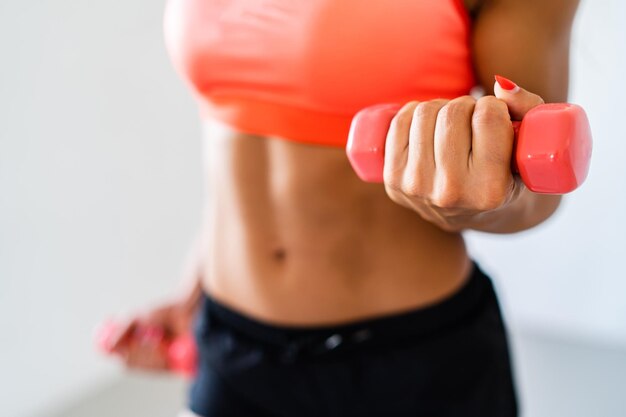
[(525, 212), (505, 217)]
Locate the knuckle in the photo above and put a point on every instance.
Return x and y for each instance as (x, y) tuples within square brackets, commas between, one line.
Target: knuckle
[(447, 195), (447, 113), (406, 183), (413, 187), (493, 196), (392, 176), (491, 101), (417, 179), (455, 110), (402, 119), (394, 194), (490, 110), (428, 109), (464, 101), (446, 200)]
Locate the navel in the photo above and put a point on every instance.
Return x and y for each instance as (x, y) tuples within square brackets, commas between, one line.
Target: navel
[(279, 255)]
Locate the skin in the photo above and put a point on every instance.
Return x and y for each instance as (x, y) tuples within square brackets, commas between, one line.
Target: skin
[(292, 237)]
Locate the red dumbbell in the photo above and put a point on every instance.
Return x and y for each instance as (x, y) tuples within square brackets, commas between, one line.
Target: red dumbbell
[(552, 146), (181, 351)]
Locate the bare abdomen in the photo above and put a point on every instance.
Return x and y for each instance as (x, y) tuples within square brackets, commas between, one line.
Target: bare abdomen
[(295, 238)]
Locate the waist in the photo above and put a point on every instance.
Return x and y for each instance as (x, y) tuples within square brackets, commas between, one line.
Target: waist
[(293, 341)]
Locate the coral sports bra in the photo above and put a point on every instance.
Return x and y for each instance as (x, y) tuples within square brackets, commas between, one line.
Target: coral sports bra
[(301, 69)]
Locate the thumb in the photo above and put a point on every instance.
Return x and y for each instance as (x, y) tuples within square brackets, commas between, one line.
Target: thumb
[(518, 100)]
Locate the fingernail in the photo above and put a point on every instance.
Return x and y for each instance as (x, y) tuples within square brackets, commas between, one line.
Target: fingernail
[(507, 85)]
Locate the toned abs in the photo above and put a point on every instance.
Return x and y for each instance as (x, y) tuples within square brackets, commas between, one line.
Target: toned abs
[(293, 237)]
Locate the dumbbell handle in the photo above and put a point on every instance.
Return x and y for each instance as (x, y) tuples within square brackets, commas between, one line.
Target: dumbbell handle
[(181, 351), (552, 145)]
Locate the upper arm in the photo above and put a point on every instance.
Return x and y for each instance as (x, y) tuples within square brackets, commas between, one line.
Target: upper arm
[(527, 41)]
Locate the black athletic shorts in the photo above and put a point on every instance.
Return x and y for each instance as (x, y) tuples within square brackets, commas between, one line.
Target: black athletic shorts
[(450, 359)]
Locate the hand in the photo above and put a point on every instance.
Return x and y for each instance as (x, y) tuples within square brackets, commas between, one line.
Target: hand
[(450, 160), (139, 339)]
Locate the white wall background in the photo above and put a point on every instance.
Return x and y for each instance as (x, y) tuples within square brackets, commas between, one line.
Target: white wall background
[(100, 185), (100, 189)]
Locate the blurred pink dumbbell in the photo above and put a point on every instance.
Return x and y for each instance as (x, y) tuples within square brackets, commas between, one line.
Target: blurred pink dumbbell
[(181, 351)]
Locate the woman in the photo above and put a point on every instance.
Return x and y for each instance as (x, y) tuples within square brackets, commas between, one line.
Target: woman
[(319, 294)]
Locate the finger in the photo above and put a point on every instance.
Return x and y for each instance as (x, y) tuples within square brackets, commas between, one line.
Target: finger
[(146, 361), (492, 149), (421, 154), (518, 100), (396, 144), (149, 334), (146, 354), (453, 137)]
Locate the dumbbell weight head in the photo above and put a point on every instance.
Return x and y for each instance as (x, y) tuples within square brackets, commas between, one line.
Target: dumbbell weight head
[(182, 355), (366, 140), (553, 148)]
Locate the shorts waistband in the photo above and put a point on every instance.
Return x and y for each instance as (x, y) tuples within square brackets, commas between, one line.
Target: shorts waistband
[(296, 340)]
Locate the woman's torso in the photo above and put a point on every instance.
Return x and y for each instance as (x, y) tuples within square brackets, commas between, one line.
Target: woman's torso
[(294, 237)]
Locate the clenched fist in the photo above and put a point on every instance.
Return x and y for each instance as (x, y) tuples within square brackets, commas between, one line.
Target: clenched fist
[(450, 160)]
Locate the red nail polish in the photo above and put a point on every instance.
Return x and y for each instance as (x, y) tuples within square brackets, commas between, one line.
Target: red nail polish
[(506, 84)]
